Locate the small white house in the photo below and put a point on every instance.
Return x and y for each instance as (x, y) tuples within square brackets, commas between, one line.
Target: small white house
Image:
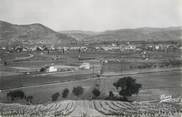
[(157, 47), (114, 45), (85, 66), (52, 69), (3, 48), (180, 47)]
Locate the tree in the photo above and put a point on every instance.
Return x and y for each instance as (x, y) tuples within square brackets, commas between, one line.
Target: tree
[(96, 92), (55, 96), (127, 86), (77, 91), (5, 63), (65, 93)]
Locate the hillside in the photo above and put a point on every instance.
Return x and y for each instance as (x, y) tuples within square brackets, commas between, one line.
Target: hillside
[(138, 34), (33, 34)]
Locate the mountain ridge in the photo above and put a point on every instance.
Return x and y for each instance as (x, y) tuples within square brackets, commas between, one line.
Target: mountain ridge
[(31, 34), (38, 34), (132, 34)]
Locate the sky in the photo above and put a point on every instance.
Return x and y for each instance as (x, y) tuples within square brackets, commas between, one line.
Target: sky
[(94, 15)]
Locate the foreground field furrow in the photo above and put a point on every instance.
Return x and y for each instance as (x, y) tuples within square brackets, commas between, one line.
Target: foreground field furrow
[(110, 109), (124, 105), (64, 110), (39, 110), (102, 107), (70, 109), (113, 108), (121, 107)]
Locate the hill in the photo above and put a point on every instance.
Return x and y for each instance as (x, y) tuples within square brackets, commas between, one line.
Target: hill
[(138, 34), (79, 35), (33, 34)]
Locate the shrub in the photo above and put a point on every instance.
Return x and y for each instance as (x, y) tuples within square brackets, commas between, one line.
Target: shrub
[(5, 63), (55, 96), (65, 93), (29, 99), (16, 94), (96, 92), (111, 94), (77, 91), (42, 69)]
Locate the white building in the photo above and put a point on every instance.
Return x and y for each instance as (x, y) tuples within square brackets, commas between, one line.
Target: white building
[(52, 69), (85, 66)]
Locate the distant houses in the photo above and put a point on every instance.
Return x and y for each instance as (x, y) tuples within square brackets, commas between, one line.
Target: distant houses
[(122, 46), (56, 68)]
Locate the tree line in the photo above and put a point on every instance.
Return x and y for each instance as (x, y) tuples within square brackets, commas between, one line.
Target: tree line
[(125, 87)]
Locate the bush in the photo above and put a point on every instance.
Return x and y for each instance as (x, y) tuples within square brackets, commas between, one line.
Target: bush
[(55, 96), (65, 93), (16, 94), (29, 99), (96, 92), (111, 96), (42, 69), (77, 91), (5, 63)]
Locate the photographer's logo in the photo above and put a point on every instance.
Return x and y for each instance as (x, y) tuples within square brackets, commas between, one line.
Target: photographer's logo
[(165, 98)]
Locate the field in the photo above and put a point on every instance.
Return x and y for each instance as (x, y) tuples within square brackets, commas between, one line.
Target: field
[(158, 75), (95, 108), (153, 85)]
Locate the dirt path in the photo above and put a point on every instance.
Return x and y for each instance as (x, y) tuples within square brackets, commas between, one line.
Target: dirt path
[(24, 58)]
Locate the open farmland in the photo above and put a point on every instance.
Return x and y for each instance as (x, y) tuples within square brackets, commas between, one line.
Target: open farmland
[(154, 84), (160, 74), (120, 61)]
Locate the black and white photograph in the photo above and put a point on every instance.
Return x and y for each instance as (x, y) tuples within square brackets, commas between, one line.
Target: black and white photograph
[(90, 58)]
